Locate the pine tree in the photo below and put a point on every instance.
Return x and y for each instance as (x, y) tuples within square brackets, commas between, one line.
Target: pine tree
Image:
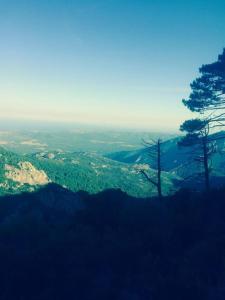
[(208, 100)]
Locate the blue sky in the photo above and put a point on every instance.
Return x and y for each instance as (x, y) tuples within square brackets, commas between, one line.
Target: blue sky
[(124, 63)]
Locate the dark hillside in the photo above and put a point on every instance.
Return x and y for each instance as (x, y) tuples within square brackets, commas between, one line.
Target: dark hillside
[(55, 244)]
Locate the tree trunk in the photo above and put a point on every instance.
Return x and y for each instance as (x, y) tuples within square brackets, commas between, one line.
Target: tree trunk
[(206, 163), (159, 183)]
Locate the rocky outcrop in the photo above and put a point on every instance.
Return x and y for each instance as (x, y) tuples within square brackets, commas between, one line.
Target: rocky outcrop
[(26, 173)]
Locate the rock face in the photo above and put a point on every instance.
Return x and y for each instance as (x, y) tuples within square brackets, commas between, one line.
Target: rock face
[(26, 173)]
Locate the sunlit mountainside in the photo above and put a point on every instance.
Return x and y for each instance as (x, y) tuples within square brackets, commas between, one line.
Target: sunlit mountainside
[(95, 161), (31, 165)]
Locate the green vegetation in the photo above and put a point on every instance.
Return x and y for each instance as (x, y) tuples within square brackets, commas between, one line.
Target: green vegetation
[(83, 171)]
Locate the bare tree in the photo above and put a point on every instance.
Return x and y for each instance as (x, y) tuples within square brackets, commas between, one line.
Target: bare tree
[(155, 156)]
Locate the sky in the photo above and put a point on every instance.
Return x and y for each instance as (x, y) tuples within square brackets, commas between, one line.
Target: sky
[(124, 63)]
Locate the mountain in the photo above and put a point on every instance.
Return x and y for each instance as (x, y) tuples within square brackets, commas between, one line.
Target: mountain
[(93, 171), (172, 155), (75, 171), (179, 161)]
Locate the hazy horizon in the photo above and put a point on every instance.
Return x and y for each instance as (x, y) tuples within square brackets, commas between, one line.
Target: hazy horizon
[(31, 125)]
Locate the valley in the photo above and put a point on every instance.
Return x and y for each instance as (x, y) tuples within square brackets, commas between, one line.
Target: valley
[(76, 161), (97, 161)]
